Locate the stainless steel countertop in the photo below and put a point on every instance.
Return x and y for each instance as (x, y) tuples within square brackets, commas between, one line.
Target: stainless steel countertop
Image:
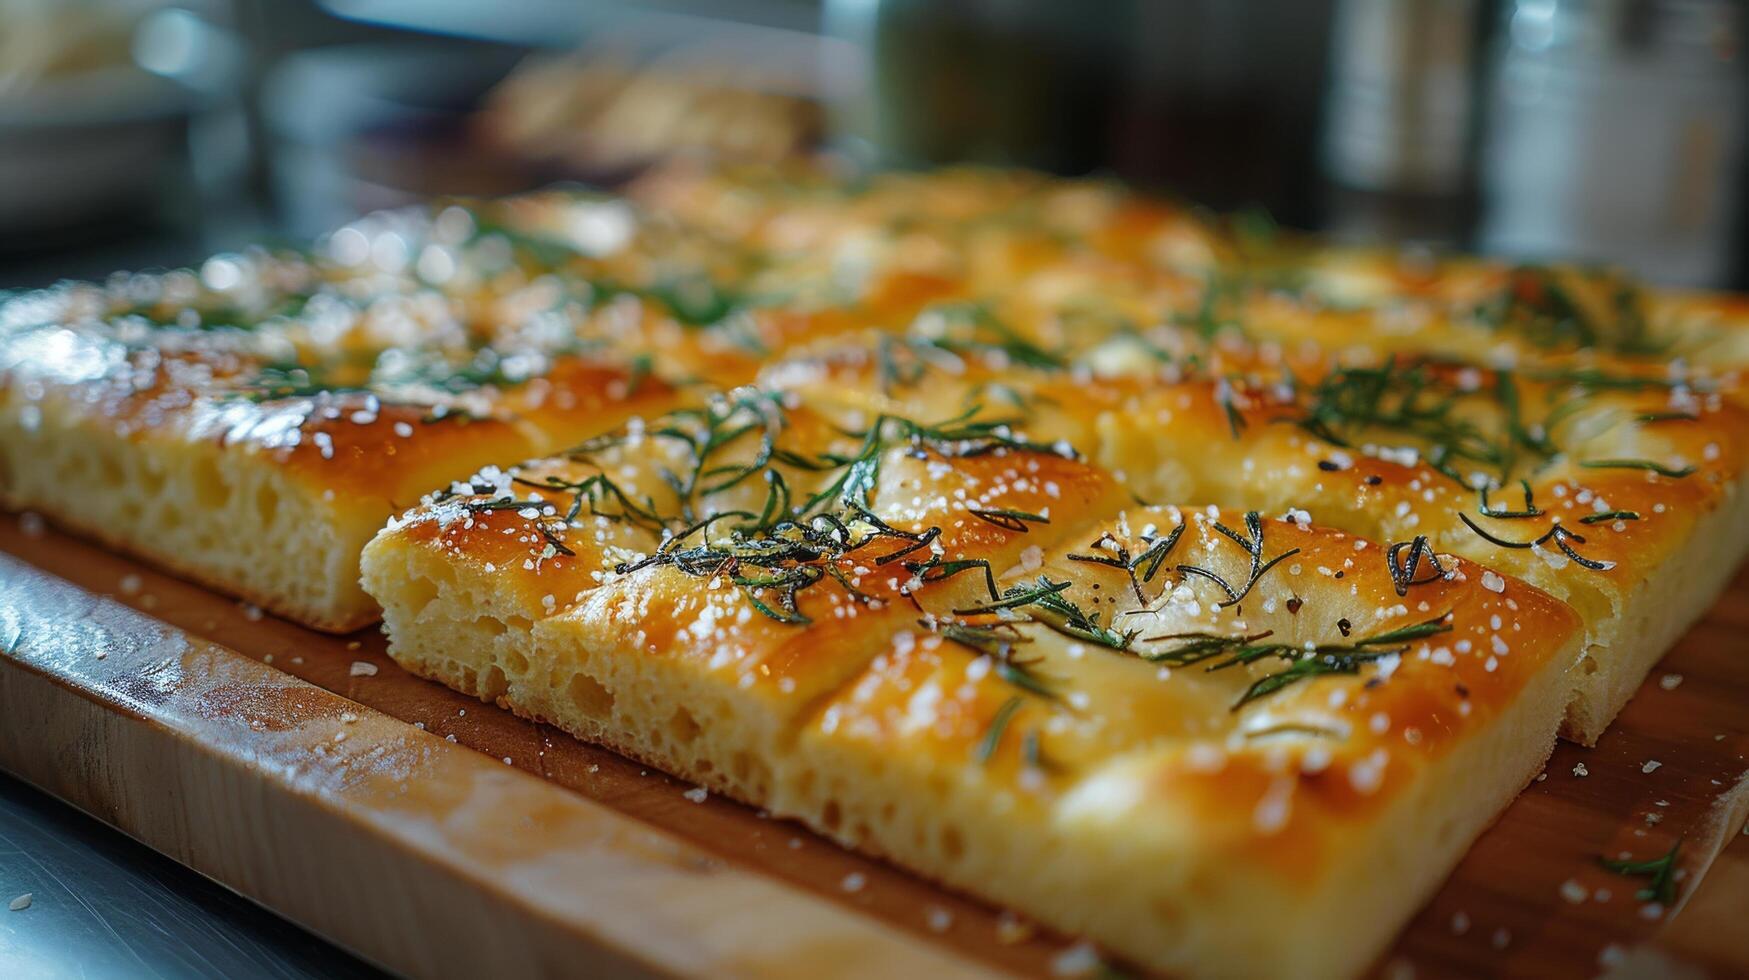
[(103, 905)]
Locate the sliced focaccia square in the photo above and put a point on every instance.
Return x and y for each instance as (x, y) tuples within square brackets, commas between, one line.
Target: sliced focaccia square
[(466, 575), (1260, 785), (259, 457), (646, 587), (1181, 716)]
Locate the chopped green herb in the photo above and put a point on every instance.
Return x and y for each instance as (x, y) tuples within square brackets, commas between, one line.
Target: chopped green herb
[(1613, 515), (1303, 663), (1662, 872), (1675, 473), (993, 736), (1404, 571)]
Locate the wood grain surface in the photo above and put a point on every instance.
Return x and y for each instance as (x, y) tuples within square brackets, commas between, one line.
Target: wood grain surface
[(312, 774)]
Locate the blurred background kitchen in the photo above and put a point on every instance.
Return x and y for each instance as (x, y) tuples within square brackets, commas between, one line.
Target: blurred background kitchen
[(145, 133)]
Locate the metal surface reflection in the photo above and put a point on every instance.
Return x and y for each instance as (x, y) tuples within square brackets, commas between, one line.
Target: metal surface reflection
[(104, 906)]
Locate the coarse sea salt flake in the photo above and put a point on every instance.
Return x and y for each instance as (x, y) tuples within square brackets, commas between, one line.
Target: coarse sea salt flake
[(1079, 960)]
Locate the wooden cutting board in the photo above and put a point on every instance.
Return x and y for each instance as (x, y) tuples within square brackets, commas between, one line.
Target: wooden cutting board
[(439, 836)]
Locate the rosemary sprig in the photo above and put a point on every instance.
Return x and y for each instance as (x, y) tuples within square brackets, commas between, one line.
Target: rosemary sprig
[(1008, 520), (1408, 399), (450, 372), (1612, 515), (1530, 508), (1016, 596), (1675, 473), (1306, 668), (1662, 872), (783, 561), (997, 641), (1404, 570), (1592, 379), (1220, 295), (757, 421), (279, 381), (1141, 567), (642, 366), (592, 492), (1032, 754), (1537, 304), (986, 747), (1064, 616), (786, 548), (1149, 559), (1045, 603), (786, 583), (935, 570), (1224, 397), (1558, 533), (1252, 542), (898, 363), (961, 436), (975, 328), (692, 299), (1303, 663), (1518, 435), (1534, 303), (1194, 648)]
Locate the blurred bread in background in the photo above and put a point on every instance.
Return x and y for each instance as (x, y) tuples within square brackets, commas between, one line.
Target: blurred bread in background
[(607, 111), (45, 40)]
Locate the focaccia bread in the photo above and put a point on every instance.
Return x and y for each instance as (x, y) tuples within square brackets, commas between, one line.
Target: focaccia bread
[(1618, 490), (701, 279), (218, 465), (956, 645), (964, 515)]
